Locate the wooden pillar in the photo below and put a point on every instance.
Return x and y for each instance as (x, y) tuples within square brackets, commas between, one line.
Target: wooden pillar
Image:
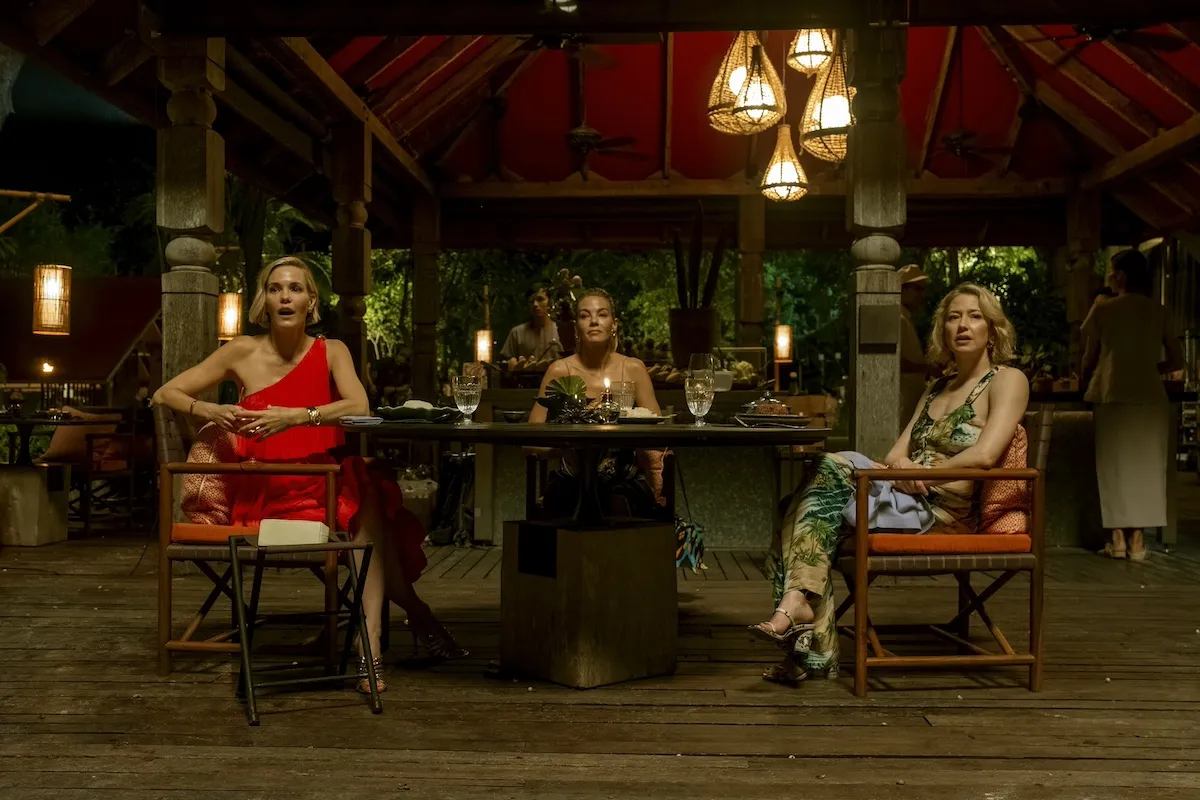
[(1079, 271), (752, 234), (427, 296), (190, 198), (876, 213), (351, 240)]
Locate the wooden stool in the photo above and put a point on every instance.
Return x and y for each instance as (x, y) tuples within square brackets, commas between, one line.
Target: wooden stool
[(244, 548)]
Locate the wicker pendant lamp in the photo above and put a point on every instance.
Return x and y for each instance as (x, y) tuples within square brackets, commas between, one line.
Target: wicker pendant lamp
[(52, 300), (811, 49), (747, 96), (784, 179), (229, 316), (829, 113)]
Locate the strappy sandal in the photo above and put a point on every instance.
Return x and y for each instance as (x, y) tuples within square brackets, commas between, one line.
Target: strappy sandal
[(438, 642), (764, 631), (1118, 552), (364, 685), (785, 674)]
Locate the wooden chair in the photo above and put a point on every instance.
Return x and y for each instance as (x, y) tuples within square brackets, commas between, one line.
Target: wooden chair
[(112, 481), (537, 475), (208, 545), (875, 554)]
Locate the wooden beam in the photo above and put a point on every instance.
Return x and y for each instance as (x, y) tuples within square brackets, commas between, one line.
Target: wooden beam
[(1052, 53), (254, 78), (266, 120), (1011, 57), (385, 100), (48, 18), (305, 56), (929, 186), (935, 101), (1172, 81), (1164, 148), (668, 101), (494, 105), (271, 18), (459, 82), (133, 50), (367, 68)]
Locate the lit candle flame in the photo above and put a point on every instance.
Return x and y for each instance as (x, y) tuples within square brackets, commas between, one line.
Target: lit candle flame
[(607, 384)]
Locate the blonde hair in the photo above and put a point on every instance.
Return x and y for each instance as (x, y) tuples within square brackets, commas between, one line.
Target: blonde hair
[(258, 308), (1002, 336)]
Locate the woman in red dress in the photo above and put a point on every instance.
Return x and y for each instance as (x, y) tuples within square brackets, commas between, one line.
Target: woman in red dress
[(294, 389)]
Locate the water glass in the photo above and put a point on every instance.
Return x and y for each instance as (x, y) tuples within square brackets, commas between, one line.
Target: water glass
[(623, 394), (467, 391), (699, 394)]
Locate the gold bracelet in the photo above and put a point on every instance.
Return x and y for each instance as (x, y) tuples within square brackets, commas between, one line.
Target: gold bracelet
[(192, 407), (314, 416)]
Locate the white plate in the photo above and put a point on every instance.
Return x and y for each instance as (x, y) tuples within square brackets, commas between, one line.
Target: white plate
[(643, 420)]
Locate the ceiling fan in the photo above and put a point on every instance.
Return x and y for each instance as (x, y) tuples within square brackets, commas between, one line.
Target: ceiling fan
[(1085, 36), (583, 140), (962, 142)]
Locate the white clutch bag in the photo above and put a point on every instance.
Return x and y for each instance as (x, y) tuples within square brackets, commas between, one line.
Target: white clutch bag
[(277, 532)]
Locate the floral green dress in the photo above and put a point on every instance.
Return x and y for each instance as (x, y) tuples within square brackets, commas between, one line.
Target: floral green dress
[(802, 550)]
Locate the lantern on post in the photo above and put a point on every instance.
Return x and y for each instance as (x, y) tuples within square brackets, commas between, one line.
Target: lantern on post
[(483, 338), (52, 300), (746, 96), (811, 49), (829, 113), (229, 316)]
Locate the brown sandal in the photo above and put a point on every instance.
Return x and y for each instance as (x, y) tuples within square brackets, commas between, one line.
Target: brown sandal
[(763, 630), (364, 685)]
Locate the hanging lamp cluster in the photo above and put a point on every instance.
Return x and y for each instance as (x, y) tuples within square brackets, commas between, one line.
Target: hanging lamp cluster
[(748, 96)]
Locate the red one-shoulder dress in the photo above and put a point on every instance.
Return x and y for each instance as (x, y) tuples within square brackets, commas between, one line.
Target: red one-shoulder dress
[(303, 497)]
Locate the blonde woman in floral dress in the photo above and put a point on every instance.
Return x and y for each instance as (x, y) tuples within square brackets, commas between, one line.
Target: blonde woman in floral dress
[(964, 420)]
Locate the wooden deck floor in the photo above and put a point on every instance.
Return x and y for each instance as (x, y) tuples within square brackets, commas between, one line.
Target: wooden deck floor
[(83, 715)]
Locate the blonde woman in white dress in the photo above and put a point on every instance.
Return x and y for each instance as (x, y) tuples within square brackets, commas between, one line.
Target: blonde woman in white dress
[(1131, 345)]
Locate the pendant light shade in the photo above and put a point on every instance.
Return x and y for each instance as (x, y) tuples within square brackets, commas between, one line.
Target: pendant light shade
[(747, 96), (52, 300), (829, 113), (811, 49), (229, 316), (783, 344), (784, 179)]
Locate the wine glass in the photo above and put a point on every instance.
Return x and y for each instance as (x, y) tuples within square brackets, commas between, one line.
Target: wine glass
[(467, 392), (623, 393), (699, 394)]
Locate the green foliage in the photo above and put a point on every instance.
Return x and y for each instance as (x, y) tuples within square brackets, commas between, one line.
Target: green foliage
[(566, 401), (389, 305), (43, 237), (815, 300)]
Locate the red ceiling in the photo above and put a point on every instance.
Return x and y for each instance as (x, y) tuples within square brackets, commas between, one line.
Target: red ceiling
[(627, 100)]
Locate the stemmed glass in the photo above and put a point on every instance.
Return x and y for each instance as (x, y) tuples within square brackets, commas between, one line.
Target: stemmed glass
[(467, 392), (699, 393), (702, 365)]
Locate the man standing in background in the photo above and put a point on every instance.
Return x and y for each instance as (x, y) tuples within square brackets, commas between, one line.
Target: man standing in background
[(914, 369), (537, 339)]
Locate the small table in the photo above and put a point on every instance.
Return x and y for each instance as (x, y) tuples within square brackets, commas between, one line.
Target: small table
[(26, 425), (591, 601)]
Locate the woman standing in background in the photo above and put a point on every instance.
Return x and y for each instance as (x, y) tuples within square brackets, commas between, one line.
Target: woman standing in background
[(1127, 337)]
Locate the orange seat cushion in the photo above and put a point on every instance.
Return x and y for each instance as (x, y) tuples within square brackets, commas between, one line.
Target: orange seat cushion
[(909, 544), (194, 533)]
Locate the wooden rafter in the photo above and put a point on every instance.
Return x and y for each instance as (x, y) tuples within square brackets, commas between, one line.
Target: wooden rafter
[(48, 18), (929, 186), (1172, 82), (266, 120), (462, 80), (380, 57), (668, 101), (493, 106), (1163, 148), (316, 70), (935, 101), (1052, 53), (1010, 55), (398, 93), (250, 76), (132, 50)]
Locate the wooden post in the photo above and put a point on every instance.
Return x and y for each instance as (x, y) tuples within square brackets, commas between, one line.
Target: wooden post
[(752, 234), (351, 239), (876, 212), (1083, 240), (190, 199), (427, 296)]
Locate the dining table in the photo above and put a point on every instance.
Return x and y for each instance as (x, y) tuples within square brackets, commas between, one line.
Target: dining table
[(26, 425)]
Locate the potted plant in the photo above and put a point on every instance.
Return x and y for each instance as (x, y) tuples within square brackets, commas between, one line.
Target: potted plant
[(695, 325), (1035, 362)]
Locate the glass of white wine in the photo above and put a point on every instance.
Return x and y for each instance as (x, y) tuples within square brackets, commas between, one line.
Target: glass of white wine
[(467, 391), (699, 393)]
